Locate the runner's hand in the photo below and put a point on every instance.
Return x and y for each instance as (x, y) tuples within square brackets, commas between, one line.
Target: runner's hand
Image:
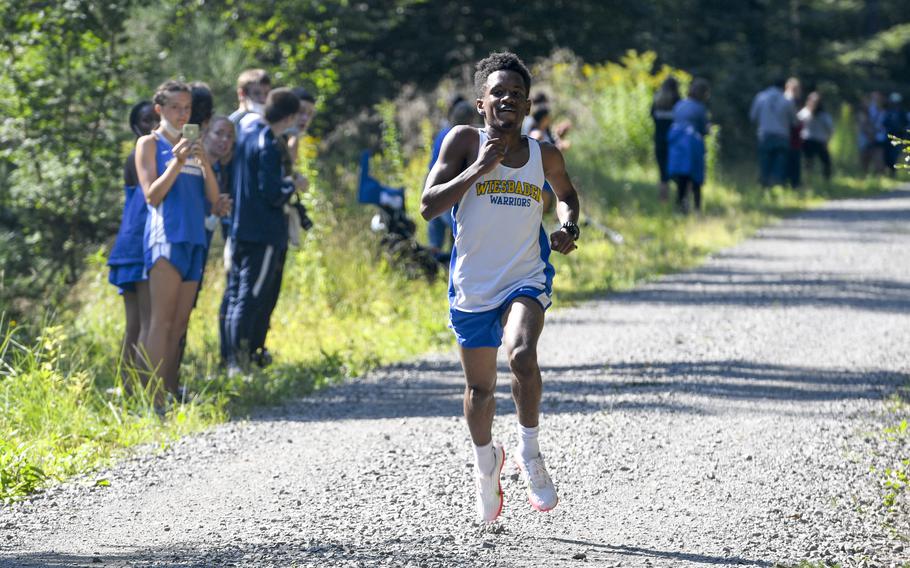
[(561, 241), (491, 155)]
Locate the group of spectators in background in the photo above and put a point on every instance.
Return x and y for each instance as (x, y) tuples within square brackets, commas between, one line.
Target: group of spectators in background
[(878, 121), (792, 132), (680, 127), (191, 172)]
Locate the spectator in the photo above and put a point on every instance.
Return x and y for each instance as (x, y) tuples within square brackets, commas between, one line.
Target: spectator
[(773, 116), (542, 132), (895, 123), (538, 100), (219, 147), (817, 129), (877, 131), (307, 114), (262, 186), (253, 86), (865, 135), (686, 152), (259, 353), (460, 113), (665, 99), (126, 260), (793, 93), (176, 179)]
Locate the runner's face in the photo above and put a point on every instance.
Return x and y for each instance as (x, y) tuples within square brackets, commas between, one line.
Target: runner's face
[(505, 100)]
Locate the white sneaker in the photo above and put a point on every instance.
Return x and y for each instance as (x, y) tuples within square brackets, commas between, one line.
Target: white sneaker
[(541, 492), (489, 488)]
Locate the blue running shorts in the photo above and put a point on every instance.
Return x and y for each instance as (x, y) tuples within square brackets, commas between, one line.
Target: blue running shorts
[(188, 259), (484, 329), (125, 276)]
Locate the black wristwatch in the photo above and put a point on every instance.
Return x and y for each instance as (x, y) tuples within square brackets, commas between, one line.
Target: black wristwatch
[(571, 227)]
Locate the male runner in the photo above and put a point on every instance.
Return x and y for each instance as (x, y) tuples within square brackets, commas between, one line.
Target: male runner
[(500, 276)]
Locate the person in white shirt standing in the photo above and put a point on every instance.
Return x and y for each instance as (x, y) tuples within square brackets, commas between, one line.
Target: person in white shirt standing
[(817, 129), (500, 277)]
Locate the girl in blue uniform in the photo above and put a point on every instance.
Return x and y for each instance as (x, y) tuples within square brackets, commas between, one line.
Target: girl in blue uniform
[(176, 179), (686, 144), (126, 259)]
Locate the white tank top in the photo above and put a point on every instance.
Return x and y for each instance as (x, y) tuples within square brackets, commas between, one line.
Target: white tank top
[(500, 243)]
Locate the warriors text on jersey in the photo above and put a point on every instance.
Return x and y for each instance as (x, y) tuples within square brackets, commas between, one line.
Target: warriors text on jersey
[(500, 243)]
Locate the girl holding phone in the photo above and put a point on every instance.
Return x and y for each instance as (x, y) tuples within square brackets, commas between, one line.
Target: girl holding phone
[(176, 179)]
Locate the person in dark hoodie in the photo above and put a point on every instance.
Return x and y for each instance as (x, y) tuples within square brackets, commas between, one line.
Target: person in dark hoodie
[(263, 183)]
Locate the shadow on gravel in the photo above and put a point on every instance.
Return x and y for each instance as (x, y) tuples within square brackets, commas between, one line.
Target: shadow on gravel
[(266, 553), (435, 389), (641, 552), (716, 286)]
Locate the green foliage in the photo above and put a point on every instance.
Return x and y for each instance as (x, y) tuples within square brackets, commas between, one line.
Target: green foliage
[(60, 415), (844, 143), (895, 480), (872, 50), (609, 98), (60, 71), (170, 39)]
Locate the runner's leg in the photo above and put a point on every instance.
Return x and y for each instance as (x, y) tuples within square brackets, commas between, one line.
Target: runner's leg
[(479, 364), (522, 325)]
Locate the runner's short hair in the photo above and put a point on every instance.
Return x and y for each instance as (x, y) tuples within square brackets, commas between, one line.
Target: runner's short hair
[(280, 104), (167, 89), (251, 77), (501, 61)]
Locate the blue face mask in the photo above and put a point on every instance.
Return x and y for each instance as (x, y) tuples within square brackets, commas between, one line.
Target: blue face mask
[(292, 130)]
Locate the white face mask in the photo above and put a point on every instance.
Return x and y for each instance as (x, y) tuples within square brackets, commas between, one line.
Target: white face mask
[(258, 108), (292, 130), (169, 128)]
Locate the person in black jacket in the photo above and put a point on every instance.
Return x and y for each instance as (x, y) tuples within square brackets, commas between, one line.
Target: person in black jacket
[(259, 233)]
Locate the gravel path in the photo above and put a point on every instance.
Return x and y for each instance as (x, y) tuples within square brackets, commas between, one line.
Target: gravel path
[(717, 417)]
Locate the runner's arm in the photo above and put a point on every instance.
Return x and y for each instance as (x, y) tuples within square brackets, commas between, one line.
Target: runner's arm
[(454, 171), (567, 207)]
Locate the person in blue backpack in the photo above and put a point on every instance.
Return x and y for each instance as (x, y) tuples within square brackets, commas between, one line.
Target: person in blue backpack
[(263, 183), (686, 144), (176, 179), (127, 271)]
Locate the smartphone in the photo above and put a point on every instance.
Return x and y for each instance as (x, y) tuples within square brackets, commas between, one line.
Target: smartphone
[(191, 132)]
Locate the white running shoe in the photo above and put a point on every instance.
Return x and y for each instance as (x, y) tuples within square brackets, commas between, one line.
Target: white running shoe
[(541, 492), (489, 488)]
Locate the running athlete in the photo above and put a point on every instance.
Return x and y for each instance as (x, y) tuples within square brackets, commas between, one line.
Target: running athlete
[(500, 276), (176, 178)]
